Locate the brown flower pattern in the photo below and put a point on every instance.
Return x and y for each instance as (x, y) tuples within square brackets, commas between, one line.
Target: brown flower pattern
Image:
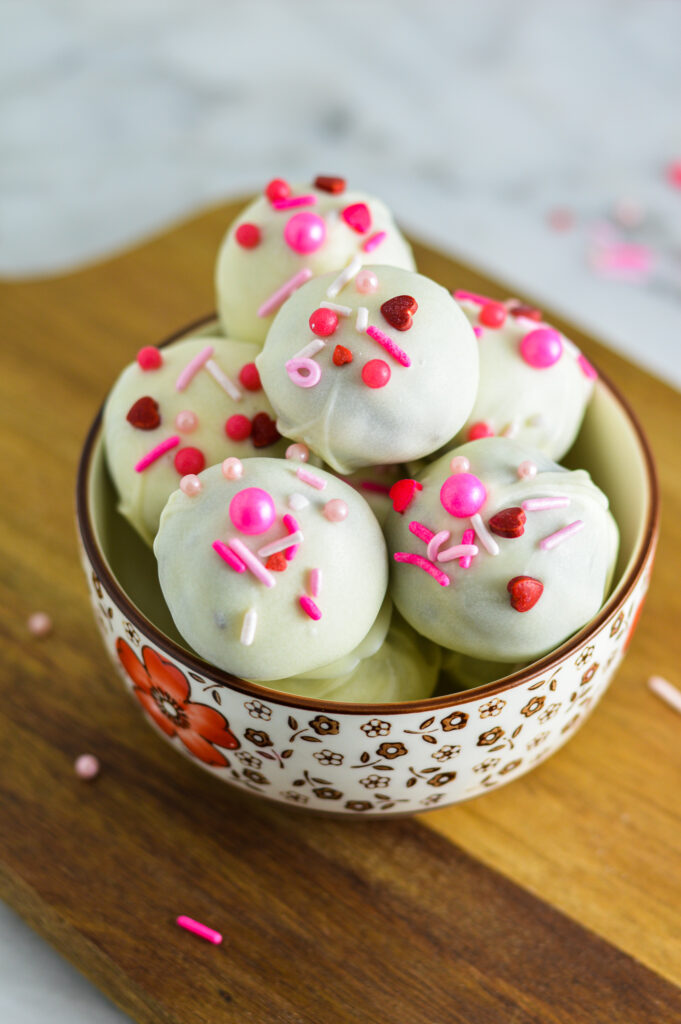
[(492, 708), (254, 776), (324, 726), (374, 781), (589, 674), (533, 706), (250, 760), (446, 753), (551, 711), (489, 738), (511, 766), (487, 765), (258, 710), (457, 720), (441, 779), (327, 793), (358, 805), (375, 727), (328, 757), (258, 737), (391, 750)]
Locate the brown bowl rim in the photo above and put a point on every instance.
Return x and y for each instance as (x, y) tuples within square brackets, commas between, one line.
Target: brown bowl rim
[(546, 664)]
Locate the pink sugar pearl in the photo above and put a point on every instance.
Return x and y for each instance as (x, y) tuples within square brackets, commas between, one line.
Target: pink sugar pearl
[(87, 767), (376, 373), (541, 348), (366, 282), (252, 510), (479, 430), (232, 469), (527, 470), (336, 510), (459, 464), (492, 314), (462, 495), (305, 232), (298, 452), (149, 358), (190, 485), (39, 624), (323, 322), (186, 421)]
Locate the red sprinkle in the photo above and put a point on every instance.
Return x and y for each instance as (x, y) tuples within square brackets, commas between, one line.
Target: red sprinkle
[(238, 427), (329, 184), (510, 522), (376, 373), (342, 355), (403, 493), (264, 430), (529, 312), (144, 414), (249, 377), (278, 189), (323, 322), (525, 591), (399, 310), (478, 430), (189, 460), (248, 235), (492, 315), (149, 358), (358, 217), (276, 562)]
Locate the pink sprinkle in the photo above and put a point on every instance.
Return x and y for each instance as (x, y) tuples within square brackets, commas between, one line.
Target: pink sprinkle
[(468, 538), (202, 930), (459, 464), (298, 451), (586, 367), (190, 485), (421, 531), (389, 345), (193, 367), (304, 373), (480, 300), (666, 691), (315, 582), (423, 563), (292, 526), (674, 173), (277, 298), (374, 241), (458, 551), (251, 562), (310, 608), (554, 539), (232, 468), (87, 767), (39, 624), (288, 204), (228, 556), (186, 421), (310, 478), (477, 331), (436, 543), (527, 470), (373, 487), (156, 453), (540, 504)]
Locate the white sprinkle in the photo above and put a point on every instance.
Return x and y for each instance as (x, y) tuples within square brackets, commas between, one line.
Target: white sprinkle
[(541, 504), (297, 501), (666, 691), (223, 380), (315, 346), (484, 536), (554, 539), (341, 310), (511, 429), (362, 321), (344, 277), (248, 627), (458, 551), (315, 582), (275, 546)]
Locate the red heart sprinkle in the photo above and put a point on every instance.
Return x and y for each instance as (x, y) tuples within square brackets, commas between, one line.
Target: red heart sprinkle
[(144, 414), (326, 183), (510, 522), (525, 591), (277, 562), (403, 493), (399, 310), (342, 355), (358, 217), (264, 430)]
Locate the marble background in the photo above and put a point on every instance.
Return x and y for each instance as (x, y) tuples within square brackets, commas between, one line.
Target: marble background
[(476, 122)]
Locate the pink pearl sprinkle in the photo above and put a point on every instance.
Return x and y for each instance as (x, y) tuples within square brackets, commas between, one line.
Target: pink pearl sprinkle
[(527, 470), (459, 464), (305, 232), (252, 510), (186, 421), (479, 430), (149, 358), (298, 452), (190, 485), (541, 348), (232, 469), (323, 322), (336, 510), (463, 495), (87, 766), (39, 624), (366, 282)]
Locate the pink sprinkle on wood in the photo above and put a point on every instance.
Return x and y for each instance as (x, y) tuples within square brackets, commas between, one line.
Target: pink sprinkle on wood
[(373, 487), (228, 556), (458, 551), (310, 608), (480, 300), (251, 562), (421, 531), (666, 691), (292, 527), (310, 478), (554, 539), (202, 930), (156, 453), (541, 504), (193, 367), (391, 347), (315, 582), (288, 204), (423, 563), (468, 538), (277, 298), (374, 241)]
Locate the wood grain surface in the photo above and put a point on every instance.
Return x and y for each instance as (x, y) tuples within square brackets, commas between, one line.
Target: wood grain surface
[(555, 899)]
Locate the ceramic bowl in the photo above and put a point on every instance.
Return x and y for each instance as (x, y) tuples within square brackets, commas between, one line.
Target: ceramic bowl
[(369, 759)]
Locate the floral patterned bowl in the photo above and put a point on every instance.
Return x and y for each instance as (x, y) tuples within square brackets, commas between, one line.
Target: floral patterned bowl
[(368, 759)]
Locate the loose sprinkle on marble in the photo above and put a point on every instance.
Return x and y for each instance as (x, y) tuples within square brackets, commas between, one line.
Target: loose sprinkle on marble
[(297, 501), (251, 562), (228, 556), (309, 607), (156, 453), (281, 294), (345, 276), (336, 510), (329, 183), (366, 282), (39, 624), (666, 691), (315, 585), (423, 563), (232, 468), (525, 591), (336, 307), (541, 504), (189, 461), (376, 373), (391, 347), (249, 377), (304, 373), (277, 189), (247, 236), (527, 470), (186, 421), (341, 355), (554, 539), (479, 430), (149, 358), (299, 452), (193, 367), (484, 536), (459, 464), (190, 485), (238, 427), (310, 478), (248, 627), (225, 382), (362, 321), (305, 232), (374, 241), (87, 767)]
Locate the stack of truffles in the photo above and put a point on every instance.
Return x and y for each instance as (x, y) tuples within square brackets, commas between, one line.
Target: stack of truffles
[(351, 482)]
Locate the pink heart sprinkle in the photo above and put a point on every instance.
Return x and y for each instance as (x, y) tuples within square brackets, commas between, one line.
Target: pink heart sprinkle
[(358, 217)]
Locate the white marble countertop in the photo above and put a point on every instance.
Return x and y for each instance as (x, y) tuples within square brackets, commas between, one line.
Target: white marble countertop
[(475, 122)]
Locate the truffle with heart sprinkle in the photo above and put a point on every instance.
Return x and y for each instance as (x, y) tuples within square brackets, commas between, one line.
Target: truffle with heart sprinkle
[(496, 561)]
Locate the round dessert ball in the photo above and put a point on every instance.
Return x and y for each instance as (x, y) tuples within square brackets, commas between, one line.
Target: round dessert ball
[(535, 384), (291, 233), (499, 553), (272, 569), (393, 380), (188, 398)]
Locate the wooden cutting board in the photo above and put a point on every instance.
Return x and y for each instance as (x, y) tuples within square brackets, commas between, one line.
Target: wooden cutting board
[(555, 899)]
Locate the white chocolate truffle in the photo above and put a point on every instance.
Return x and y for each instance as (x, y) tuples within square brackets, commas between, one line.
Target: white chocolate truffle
[(251, 603), (374, 483), (146, 408), (266, 247), (535, 384), (461, 672), (546, 550), (387, 376)]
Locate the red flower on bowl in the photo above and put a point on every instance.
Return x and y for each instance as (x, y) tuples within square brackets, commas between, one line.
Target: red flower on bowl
[(163, 692)]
